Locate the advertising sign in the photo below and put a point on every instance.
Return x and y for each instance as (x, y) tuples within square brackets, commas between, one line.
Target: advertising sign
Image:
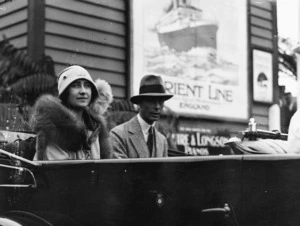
[(262, 76), (199, 47), (201, 144)]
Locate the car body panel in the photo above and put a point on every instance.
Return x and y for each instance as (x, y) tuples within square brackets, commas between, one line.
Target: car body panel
[(118, 192), (258, 190)]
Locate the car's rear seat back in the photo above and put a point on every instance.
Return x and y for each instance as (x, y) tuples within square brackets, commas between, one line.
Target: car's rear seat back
[(24, 148), (257, 141), (261, 146)]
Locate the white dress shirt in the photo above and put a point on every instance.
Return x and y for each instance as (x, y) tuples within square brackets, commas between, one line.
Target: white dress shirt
[(145, 126)]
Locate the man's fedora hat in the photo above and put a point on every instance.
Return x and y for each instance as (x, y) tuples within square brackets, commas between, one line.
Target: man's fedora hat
[(151, 86)]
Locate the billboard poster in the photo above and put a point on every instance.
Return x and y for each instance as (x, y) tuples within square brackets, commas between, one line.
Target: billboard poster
[(199, 47), (262, 76), (197, 143)]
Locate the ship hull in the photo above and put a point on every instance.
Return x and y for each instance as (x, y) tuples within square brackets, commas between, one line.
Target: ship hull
[(187, 38)]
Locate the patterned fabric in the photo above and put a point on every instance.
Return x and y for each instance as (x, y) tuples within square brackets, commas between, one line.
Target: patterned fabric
[(128, 141)]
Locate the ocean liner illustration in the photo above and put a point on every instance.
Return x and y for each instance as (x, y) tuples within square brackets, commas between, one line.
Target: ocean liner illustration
[(183, 28)]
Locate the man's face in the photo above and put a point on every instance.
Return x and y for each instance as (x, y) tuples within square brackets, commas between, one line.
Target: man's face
[(151, 108)]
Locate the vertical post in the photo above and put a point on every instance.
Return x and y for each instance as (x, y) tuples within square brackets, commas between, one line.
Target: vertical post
[(36, 29), (274, 117), (298, 60), (298, 79)]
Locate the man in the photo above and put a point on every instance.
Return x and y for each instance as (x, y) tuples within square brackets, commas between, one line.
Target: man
[(138, 138)]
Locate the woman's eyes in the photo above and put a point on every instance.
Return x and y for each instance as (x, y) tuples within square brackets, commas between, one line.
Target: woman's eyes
[(87, 85), (78, 85)]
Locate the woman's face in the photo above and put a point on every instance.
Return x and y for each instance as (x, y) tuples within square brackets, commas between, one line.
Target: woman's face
[(80, 93)]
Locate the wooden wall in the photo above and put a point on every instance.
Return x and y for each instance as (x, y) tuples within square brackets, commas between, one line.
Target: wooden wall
[(92, 33), (263, 36), (13, 22), (95, 34)]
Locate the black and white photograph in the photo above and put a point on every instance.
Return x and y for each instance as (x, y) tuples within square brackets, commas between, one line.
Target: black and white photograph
[(149, 112)]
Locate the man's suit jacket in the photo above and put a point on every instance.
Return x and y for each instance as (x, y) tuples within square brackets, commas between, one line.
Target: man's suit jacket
[(128, 141)]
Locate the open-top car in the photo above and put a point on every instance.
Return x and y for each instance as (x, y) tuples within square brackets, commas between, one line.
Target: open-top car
[(245, 188)]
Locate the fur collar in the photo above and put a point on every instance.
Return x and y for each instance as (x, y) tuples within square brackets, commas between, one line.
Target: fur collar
[(54, 122)]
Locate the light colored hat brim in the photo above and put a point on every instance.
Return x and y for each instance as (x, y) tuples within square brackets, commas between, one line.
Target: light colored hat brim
[(73, 73), (95, 93)]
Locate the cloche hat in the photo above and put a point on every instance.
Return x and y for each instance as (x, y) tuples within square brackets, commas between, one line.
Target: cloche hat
[(151, 86), (72, 73)]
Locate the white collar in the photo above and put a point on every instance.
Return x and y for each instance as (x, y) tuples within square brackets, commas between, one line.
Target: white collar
[(144, 125)]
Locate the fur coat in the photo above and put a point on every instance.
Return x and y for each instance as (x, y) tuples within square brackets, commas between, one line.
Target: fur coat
[(55, 123)]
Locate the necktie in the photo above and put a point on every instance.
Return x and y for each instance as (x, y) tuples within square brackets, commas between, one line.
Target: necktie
[(150, 140)]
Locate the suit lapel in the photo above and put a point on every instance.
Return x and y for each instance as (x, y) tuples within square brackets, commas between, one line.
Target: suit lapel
[(158, 145), (138, 140)]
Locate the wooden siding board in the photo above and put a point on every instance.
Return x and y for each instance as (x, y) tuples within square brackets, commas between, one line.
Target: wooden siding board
[(84, 21), (261, 42), (20, 41), (84, 47), (118, 92), (261, 23), (261, 110), (116, 4), (12, 6), (262, 33), (84, 60), (261, 13), (14, 17), (14, 30), (113, 78), (54, 28), (95, 10), (97, 41), (262, 4)]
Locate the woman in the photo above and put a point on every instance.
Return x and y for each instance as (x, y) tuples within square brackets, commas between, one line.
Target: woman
[(71, 126)]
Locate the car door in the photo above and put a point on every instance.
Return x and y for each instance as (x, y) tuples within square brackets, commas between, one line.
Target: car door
[(271, 190), (167, 191)]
